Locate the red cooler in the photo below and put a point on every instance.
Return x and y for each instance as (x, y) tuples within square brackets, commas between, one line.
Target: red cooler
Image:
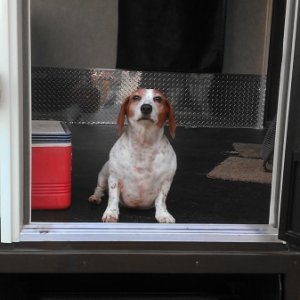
[(51, 165)]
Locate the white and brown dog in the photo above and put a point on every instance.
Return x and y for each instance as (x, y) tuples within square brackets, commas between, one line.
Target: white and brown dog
[(142, 162)]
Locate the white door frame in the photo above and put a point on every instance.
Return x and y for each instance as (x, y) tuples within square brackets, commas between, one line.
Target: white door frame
[(11, 120)]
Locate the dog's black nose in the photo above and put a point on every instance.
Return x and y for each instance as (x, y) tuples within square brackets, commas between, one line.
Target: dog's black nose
[(146, 109)]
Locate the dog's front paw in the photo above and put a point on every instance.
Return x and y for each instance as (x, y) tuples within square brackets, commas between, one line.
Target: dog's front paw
[(95, 200), (110, 216), (164, 217)]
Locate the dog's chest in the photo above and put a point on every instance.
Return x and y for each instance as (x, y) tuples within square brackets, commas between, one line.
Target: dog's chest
[(141, 172), (143, 168), (140, 184)]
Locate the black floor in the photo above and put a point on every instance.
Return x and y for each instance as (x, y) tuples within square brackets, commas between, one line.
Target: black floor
[(193, 197)]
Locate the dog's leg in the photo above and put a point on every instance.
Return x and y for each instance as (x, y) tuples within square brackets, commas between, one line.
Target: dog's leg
[(111, 213), (102, 183), (161, 213)]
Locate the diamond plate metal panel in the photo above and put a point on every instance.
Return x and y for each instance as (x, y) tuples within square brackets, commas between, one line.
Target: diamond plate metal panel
[(93, 96)]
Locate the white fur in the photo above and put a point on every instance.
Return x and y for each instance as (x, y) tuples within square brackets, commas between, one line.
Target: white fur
[(141, 167)]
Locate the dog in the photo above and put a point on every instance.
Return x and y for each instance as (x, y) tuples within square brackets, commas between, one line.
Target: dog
[(142, 162)]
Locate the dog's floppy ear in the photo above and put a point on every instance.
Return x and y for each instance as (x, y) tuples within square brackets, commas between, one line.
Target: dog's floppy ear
[(122, 114), (171, 119)]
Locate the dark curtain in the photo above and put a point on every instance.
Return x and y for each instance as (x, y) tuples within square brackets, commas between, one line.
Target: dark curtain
[(171, 35)]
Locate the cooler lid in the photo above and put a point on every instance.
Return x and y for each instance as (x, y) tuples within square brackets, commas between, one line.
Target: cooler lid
[(50, 132)]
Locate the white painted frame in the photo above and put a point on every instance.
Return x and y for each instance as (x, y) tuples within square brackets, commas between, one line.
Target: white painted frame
[(11, 116), (12, 153)]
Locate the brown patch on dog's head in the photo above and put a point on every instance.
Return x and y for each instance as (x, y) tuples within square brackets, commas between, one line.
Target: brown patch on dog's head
[(171, 119), (122, 114), (166, 112), (127, 108)]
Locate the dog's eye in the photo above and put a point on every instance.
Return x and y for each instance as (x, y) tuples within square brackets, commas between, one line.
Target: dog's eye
[(136, 98), (157, 99)]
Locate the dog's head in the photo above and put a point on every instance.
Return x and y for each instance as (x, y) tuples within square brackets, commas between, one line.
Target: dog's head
[(147, 107)]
